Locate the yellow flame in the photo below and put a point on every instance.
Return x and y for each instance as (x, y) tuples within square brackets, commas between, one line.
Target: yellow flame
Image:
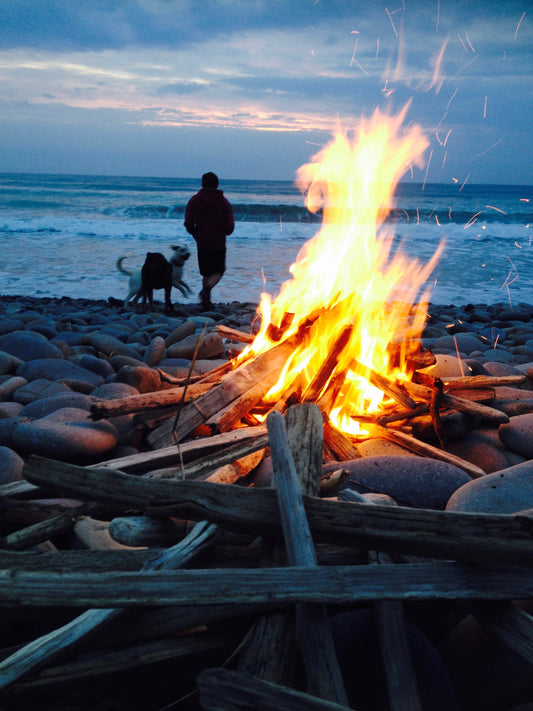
[(346, 272)]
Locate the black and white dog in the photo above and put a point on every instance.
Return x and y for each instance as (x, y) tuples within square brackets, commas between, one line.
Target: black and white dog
[(155, 271)]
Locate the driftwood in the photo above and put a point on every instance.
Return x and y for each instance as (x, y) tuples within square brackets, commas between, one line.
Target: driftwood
[(332, 584), (481, 381), (43, 649), (223, 690), (265, 367), (510, 623), (324, 678), (42, 531), (440, 534)]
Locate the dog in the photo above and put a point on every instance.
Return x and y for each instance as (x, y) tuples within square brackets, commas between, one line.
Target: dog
[(177, 261), (156, 273)]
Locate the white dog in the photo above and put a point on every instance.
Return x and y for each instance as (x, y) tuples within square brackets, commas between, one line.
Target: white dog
[(178, 259)]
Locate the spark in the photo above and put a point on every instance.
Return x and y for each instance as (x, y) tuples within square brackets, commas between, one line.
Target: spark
[(466, 66), (438, 17), (438, 77), (461, 41), (472, 220), (519, 23), (442, 120), (453, 97), (437, 220), (459, 357), (489, 148), (485, 109), (377, 47), (391, 21), (455, 180), (280, 225), (444, 159), (491, 207), (354, 51), (517, 245), (462, 186), (450, 213), (470, 43), (524, 199), (427, 168), (417, 217)]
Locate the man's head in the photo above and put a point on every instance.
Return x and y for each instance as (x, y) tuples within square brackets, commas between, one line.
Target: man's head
[(209, 180)]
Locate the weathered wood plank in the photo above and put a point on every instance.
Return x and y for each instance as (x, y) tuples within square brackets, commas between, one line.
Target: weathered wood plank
[(462, 536), (334, 584)]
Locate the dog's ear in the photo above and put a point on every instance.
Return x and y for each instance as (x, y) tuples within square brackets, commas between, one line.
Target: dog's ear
[(174, 246)]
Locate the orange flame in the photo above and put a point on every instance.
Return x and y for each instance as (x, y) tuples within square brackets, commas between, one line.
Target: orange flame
[(346, 272)]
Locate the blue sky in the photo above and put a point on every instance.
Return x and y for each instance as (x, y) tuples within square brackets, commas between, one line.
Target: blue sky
[(253, 88)]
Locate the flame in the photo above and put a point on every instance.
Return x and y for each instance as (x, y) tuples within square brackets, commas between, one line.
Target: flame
[(346, 287)]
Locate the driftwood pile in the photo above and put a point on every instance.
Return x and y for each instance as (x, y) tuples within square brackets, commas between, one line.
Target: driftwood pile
[(221, 596)]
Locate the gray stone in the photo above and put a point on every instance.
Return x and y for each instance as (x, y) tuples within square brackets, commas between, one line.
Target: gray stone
[(464, 342), (517, 434), (11, 465), (37, 389), (9, 386), (187, 328), (155, 351), (8, 325), (10, 409), (446, 365), (109, 345), (411, 481), (381, 447), (8, 363), (145, 380), (29, 346), (100, 366), (54, 369), (112, 391), (506, 491), (210, 347), (44, 406), (67, 435), (484, 449)]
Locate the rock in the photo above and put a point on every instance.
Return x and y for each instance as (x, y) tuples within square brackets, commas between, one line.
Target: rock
[(11, 465), (381, 447), (517, 434), (506, 491), (187, 328), (67, 435), (155, 351), (109, 345), (10, 409), (96, 365), (44, 406), (8, 363), (8, 325), (29, 346), (53, 369), (113, 391), (411, 481), (37, 389), (8, 387), (484, 449), (462, 342), (446, 365), (145, 380), (210, 347)]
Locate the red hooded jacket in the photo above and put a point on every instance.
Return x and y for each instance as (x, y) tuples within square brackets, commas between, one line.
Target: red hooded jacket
[(209, 218)]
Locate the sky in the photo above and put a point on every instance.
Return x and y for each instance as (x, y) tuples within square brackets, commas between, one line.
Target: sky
[(252, 89)]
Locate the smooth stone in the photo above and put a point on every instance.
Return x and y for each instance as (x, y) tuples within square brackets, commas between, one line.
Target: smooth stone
[(504, 492), (187, 328), (515, 316), (8, 363), (381, 447), (145, 380), (44, 406), (446, 366), (507, 392), (11, 465), (498, 355), (498, 369), (68, 435), (514, 407), (8, 325), (119, 361), (493, 334), (47, 328), (71, 338), (10, 409), (517, 434), (202, 366), (100, 366), (484, 449), (154, 351), (464, 342), (9, 386), (53, 369), (29, 347), (113, 391), (37, 389), (411, 481), (110, 346), (211, 346)]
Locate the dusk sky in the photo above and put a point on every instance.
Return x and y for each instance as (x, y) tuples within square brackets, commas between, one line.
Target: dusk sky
[(253, 88)]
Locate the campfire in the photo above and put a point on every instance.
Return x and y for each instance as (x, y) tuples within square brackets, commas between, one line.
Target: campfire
[(336, 360)]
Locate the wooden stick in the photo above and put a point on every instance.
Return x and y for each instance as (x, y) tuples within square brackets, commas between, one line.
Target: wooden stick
[(45, 648), (323, 374), (324, 678), (234, 334), (481, 381), (467, 537), (38, 532), (339, 443), (145, 402), (224, 419), (394, 391), (331, 584), (224, 690), (424, 449), (490, 414), (266, 367)]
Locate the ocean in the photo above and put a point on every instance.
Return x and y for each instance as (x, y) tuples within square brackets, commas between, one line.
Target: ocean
[(61, 235)]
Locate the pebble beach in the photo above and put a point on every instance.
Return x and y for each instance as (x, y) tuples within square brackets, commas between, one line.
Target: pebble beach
[(60, 355)]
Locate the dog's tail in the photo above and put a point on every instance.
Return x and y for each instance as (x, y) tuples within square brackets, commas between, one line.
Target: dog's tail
[(121, 268)]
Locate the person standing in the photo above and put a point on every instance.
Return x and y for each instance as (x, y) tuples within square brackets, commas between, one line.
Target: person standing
[(209, 219)]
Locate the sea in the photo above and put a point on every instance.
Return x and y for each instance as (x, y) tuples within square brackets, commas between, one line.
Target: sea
[(61, 235)]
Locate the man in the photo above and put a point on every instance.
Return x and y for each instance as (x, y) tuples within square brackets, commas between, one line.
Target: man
[(209, 219)]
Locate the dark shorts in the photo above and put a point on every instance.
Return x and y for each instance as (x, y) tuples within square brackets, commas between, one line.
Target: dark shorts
[(211, 261)]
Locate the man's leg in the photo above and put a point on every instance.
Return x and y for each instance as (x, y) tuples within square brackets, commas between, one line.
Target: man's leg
[(208, 283)]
